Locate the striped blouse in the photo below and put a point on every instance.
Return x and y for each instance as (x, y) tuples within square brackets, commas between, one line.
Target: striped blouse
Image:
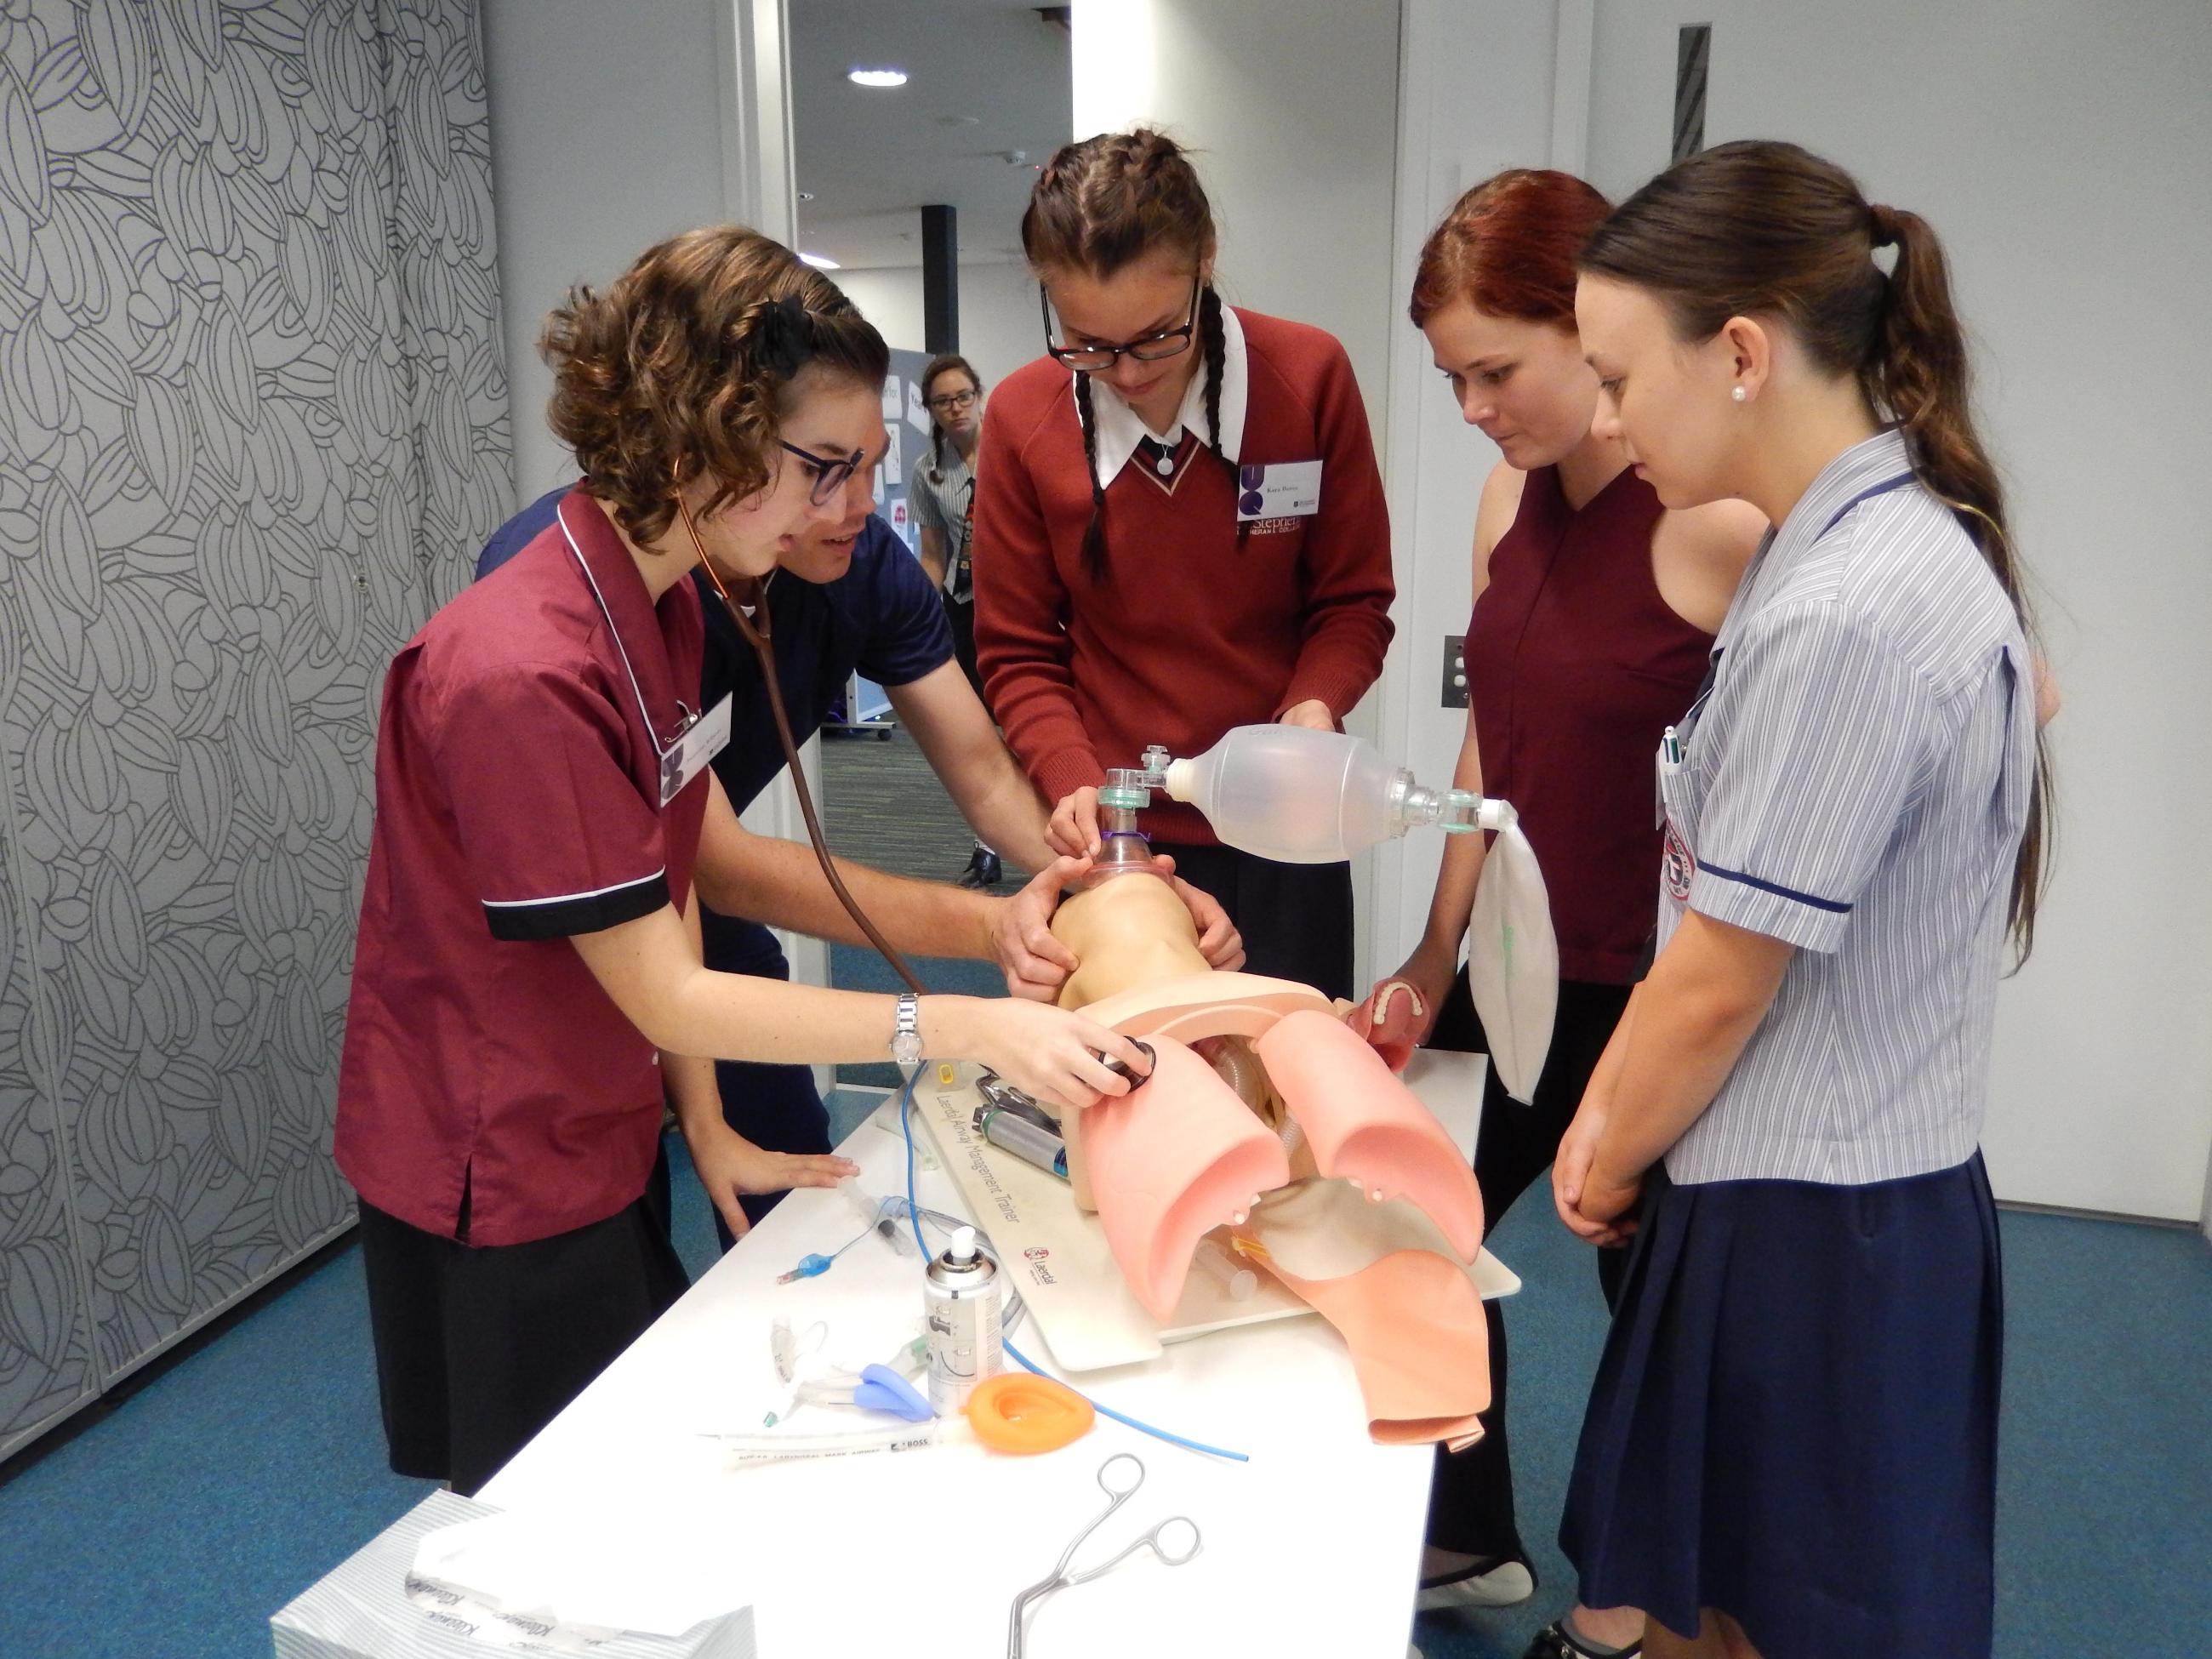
[(1853, 780)]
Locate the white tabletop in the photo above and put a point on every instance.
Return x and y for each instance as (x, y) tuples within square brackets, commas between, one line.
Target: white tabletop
[(1312, 1548)]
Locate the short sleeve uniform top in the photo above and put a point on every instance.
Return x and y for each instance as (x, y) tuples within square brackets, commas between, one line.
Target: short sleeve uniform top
[(943, 493), (518, 804), (881, 616), (1854, 781)]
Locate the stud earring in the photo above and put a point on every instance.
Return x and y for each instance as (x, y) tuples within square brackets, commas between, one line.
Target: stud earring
[(1737, 394)]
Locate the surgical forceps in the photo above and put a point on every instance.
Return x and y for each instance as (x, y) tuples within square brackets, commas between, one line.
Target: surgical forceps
[(1060, 1577)]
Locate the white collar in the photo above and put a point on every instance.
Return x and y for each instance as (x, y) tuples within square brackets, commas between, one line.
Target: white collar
[(1119, 427)]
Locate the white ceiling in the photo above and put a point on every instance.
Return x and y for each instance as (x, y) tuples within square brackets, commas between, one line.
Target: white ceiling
[(984, 78)]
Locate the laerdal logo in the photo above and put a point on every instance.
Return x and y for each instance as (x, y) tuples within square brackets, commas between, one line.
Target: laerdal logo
[(1036, 1253), (1676, 865)]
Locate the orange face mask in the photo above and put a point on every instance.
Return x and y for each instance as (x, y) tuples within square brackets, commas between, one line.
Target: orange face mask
[(1015, 1412)]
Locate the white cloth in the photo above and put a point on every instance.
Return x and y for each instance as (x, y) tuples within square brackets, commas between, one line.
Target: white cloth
[(1119, 428)]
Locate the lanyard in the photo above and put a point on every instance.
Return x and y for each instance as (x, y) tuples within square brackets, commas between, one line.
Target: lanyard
[(690, 717)]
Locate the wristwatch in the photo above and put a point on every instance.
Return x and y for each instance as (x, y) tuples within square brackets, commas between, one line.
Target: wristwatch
[(906, 1041)]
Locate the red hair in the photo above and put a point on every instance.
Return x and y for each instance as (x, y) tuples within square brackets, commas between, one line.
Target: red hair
[(1508, 248)]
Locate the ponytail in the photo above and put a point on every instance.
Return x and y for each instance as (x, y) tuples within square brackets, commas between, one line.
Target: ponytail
[(1918, 373), (1761, 228)]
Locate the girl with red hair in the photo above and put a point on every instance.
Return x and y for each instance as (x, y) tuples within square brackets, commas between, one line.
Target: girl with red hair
[(1594, 610)]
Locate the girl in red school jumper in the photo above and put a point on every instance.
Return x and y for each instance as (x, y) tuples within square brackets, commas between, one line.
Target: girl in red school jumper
[(1179, 528)]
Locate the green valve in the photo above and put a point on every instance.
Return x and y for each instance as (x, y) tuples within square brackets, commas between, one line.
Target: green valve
[(1133, 799)]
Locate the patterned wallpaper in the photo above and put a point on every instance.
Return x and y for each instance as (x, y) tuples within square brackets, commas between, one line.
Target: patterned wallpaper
[(253, 427)]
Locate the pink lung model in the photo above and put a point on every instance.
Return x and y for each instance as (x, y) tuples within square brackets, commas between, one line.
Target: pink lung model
[(1368, 1128), (1170, 1162), (1327, 1170)]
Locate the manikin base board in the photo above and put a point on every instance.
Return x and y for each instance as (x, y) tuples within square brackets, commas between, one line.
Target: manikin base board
[(1057, 1256)]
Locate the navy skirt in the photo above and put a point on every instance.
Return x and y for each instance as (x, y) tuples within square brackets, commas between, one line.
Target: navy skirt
[(1795, 1420)]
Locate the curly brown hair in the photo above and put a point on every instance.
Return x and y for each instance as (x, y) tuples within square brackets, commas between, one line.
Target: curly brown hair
[(685, 366)]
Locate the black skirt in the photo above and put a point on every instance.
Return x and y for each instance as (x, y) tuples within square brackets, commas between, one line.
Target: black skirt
[(479, 1348), (1795, 1420)]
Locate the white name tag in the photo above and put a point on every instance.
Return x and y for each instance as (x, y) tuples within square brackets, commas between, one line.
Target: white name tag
[(688, 756), (1281, 489)]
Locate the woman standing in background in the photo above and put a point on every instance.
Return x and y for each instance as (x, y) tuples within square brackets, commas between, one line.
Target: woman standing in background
[(944, 494)]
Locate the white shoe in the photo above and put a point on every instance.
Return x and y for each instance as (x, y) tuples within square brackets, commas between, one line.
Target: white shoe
[(1505, 1585)]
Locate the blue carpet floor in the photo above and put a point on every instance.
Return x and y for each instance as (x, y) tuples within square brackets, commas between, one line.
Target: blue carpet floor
[(172, 1526)]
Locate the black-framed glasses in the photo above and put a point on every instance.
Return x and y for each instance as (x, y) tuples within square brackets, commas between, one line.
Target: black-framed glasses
[(953, 402), (1152, 349), (831, 473)]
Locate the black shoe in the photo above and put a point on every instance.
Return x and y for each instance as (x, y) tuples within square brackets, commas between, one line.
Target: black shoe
[(1553, 1642), (984, 870)]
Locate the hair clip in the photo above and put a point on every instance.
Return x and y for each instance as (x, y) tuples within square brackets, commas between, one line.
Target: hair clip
[(782, 340)]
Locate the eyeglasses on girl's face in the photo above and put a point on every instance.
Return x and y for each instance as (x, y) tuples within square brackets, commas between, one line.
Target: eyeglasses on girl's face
[(827, 474), (1092, 355), (951, 403)]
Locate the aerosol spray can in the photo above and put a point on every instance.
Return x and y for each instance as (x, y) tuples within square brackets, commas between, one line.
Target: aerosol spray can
[(960, 1295)]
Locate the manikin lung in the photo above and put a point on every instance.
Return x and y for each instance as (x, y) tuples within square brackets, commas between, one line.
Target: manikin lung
[(1268, 1115)]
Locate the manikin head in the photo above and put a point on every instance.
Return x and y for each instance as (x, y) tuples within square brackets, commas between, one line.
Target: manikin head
[(1494, 293), (696, 375)]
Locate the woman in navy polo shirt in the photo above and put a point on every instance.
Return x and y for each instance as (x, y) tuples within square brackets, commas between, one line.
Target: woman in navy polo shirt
[(1790, 1448), (528, 969)]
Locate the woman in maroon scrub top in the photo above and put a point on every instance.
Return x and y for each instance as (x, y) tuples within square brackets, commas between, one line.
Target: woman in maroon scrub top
[(527, 973)]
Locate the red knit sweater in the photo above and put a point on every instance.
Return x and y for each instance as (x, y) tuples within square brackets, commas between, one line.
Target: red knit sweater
[(1193, 632)]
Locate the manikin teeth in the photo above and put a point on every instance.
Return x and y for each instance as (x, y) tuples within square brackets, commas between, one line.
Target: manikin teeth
[(1236, 1219)]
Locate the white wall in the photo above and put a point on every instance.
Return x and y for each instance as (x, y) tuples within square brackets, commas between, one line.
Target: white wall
[(2061, 151), (999, 326), (613, 127), (1292, 113), (587, 170)]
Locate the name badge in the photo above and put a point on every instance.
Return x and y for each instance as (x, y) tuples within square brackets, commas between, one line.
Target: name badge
[(688, 756), (1279, 490)]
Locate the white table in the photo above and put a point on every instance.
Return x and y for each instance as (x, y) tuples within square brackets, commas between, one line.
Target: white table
[(1310, 1548)]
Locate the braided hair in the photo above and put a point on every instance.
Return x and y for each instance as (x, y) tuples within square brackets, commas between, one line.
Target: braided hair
[(947, 363), (1094, 533), (1098, 206), (1215, 343)]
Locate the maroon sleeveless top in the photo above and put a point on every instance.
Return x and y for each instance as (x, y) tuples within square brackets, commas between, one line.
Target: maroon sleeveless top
[(1575, 666)]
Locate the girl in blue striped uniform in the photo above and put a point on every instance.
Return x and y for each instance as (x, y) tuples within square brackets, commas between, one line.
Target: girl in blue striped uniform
[(1790, 1448)]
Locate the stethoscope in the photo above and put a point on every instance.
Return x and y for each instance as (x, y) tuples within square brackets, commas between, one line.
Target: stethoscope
[(754, 623)]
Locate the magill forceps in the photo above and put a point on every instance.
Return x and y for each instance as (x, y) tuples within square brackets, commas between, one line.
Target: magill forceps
[(1165, 1541)]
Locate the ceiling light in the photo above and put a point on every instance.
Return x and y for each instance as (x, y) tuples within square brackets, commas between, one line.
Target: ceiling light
[(818, 262), (877, 77)]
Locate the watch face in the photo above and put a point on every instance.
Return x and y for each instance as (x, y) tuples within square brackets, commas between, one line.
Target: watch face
[(905, 1049)]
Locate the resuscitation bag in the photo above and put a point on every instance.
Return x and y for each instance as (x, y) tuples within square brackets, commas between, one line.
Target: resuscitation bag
[(1513, 962)]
